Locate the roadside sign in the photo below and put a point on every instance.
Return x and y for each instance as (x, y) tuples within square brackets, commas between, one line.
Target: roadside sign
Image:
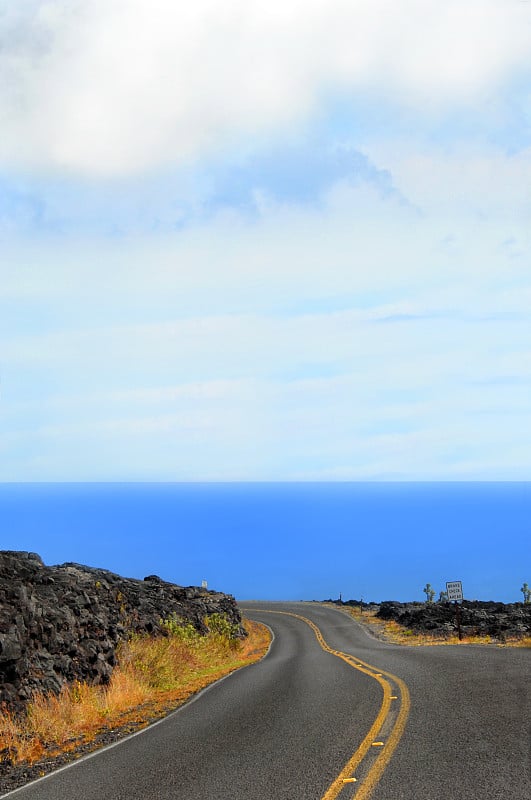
[(454, 590)]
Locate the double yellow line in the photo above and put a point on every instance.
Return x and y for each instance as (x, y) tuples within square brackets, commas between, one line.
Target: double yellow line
[(395, 693)]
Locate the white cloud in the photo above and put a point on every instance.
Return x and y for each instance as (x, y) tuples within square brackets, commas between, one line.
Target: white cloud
[(467, 221), (364, 339), (115, 87), (472, 179)]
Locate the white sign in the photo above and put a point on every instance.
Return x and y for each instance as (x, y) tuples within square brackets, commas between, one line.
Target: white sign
[(454, 590)]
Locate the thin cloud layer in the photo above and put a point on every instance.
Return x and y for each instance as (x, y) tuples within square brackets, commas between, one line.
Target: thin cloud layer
[(357, 342), (121, 87)]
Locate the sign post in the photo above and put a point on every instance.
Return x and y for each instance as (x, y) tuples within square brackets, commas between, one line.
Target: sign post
[(454, 590)]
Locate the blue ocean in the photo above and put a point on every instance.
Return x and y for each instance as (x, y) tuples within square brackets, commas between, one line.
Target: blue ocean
[(307, 541)]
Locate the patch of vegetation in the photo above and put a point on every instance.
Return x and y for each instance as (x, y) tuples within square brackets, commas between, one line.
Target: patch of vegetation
[(154, 675), (429, 591)]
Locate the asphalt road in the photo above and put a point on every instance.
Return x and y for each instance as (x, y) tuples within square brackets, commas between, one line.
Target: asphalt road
[(285, 728)]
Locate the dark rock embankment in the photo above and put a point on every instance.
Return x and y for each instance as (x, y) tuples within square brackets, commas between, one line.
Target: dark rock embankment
[(63, 623), (478, 618)]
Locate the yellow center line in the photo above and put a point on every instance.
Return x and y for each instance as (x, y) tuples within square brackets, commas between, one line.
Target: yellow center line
[(375, 772)]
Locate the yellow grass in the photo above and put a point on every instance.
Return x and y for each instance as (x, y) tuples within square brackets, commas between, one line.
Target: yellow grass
[(391, 631), (153, 676)]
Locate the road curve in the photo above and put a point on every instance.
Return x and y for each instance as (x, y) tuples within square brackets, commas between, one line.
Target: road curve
[(289, 726), (468, 733)]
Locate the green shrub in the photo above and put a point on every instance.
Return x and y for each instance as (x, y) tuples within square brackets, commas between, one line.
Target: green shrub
[(220, 626), (178, 628)]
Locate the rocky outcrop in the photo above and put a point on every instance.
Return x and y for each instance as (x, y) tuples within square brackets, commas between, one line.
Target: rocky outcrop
[(61, 624), (359, 604), (499, 620)]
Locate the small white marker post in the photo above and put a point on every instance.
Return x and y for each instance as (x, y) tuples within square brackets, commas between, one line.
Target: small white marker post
[(454, 590)]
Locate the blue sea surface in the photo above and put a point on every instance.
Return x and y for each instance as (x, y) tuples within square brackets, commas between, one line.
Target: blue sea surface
[(306, 541)]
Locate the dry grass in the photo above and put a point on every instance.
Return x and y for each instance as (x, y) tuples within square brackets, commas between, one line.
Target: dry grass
[(391, 631), (153, 676)]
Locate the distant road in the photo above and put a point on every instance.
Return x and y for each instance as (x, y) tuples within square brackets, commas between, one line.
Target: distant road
[(367, 719)]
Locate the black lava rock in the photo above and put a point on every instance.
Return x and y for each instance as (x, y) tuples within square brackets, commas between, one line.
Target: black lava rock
[(499, 620), (63, 623)]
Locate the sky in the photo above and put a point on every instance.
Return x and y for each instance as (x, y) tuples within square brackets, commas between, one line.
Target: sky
[(279, 241)]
